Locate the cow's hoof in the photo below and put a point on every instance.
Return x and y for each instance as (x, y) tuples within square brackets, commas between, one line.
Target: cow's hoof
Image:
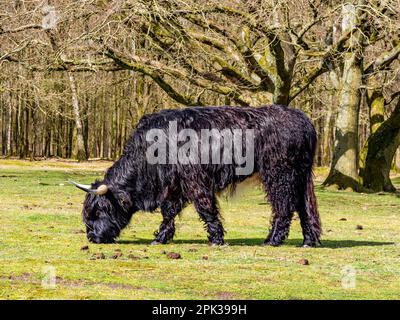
[(155, 243), (271, 244), (216, 243), (309, 244)]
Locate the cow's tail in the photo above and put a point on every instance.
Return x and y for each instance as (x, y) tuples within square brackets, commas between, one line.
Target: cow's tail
[(310, 200), (312, 209)]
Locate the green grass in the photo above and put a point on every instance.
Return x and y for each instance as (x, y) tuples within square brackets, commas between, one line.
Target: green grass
[(40, 226)]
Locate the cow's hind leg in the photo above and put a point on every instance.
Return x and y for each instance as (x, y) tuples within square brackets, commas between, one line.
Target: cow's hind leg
[(310, 229), (309, 216), (169, 210), (282, 197), (207, 208)]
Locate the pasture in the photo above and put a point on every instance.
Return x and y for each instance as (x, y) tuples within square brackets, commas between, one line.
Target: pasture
[(41, 230)]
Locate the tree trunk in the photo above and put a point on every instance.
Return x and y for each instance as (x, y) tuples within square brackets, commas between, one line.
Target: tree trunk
[(9, 130), (378, 154), (344, 167), (330, 121), (86, 127), (81, 155), (396, 162), (376, 103), (106, 129)]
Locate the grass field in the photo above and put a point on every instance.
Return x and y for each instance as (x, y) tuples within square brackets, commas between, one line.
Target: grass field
[(41, 234)]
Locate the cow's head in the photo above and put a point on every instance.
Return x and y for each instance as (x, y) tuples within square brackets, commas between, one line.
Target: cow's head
[(105, 211)]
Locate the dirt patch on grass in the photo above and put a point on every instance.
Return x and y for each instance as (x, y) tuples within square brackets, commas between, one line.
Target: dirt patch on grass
[(56, 164), (225, 295), (122, 286), (22, 277), (27, 277)]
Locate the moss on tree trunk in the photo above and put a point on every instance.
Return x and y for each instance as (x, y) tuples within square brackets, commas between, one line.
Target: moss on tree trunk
[(344, 167), (378, 153)]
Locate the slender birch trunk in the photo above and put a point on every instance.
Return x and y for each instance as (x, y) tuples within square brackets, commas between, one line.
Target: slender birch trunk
[(81, 155)]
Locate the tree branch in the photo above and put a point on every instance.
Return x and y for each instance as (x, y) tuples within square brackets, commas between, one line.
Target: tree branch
[(383, 60), (245, 52), (156, 70), (323, 66), (19, 29), (153, 74)]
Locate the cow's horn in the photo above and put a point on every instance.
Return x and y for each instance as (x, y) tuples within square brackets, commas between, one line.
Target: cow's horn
[(102, 189)]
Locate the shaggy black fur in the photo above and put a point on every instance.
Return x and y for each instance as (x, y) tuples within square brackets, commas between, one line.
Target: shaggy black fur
[(285, 143)]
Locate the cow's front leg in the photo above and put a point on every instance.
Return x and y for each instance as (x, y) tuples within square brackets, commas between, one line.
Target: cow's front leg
[(169, 210)]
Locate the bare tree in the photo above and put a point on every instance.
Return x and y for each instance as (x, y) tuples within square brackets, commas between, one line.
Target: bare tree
[(344, 168), (87, 71), (370, 19)]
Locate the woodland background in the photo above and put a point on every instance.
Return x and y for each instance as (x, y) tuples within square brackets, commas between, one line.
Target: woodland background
[(76, 76)]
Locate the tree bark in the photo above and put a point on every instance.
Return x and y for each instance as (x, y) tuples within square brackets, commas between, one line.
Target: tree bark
[(344, 167), (378, 153), (396, 162), (81, 155), (9, 129)]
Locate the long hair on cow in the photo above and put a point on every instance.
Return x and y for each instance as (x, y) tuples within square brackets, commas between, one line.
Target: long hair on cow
[(283, 147)]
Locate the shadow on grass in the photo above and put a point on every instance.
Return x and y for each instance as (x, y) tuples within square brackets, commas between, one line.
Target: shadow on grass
[(332, 244)]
